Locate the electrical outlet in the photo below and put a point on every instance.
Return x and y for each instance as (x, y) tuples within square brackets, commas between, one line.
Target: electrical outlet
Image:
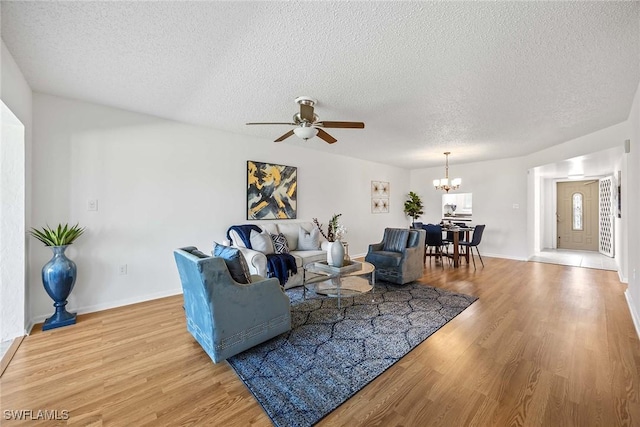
[(92, 205), (122, 269), (516, 206)]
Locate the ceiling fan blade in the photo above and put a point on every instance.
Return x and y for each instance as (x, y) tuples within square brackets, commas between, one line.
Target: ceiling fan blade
[(322, 134), (350, 125), (274, 123), (306, 112), (285, 136)]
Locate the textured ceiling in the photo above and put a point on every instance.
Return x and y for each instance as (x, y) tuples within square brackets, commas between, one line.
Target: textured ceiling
[(483, 80)]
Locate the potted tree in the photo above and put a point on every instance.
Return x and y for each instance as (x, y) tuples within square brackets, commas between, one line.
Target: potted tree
[(59, 274), (413, 206)]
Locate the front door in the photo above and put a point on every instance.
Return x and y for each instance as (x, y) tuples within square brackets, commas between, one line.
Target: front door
[(577, 215)]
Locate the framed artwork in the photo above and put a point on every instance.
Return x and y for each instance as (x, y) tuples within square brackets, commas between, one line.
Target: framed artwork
[(379, 197), (379, 206), (272, 191), (379, 189)]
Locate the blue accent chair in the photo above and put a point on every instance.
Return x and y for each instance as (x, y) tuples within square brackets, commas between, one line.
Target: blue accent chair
[(399, 258), (224, 316)]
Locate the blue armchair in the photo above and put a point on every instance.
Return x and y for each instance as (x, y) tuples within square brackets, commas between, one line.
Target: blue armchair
[(224, 316), (399, 258)]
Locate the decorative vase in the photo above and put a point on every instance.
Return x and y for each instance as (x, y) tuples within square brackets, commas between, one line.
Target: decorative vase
[(58, 278), (335, 254), (347, 258)]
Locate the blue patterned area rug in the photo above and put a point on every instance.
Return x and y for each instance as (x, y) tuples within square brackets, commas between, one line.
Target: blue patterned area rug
[(329, 354)]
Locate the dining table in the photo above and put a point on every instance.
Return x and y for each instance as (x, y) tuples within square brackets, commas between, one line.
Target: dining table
[(456, 232)]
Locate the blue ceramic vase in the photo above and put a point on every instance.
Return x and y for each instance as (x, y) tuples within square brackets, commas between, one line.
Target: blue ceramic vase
[(58, 278)]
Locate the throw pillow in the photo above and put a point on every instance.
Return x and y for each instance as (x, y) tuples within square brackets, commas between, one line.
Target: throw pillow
[(395, 239), (236, 264), (308, 240), (261, 242), (280, 243)]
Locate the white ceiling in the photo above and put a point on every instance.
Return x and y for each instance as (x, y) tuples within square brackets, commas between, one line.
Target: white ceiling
[(483, 80)]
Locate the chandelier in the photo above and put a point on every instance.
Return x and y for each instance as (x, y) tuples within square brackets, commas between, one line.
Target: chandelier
[(443, 184)]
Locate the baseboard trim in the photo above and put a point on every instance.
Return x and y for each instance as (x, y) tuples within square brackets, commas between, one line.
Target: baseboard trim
[(514, 258), (622, 278), (106, 306), (634, 314), (8, 356)]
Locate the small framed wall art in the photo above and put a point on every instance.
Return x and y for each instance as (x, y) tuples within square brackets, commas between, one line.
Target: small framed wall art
[(379, 197), (272, 191)]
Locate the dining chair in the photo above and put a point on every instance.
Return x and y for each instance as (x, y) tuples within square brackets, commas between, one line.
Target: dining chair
[(475, 241), (434, 243)]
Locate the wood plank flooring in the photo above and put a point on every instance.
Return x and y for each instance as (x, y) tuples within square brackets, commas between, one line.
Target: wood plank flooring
[(545, 345)]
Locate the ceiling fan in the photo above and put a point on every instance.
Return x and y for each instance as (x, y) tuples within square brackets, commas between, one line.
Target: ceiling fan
[(308, 125)]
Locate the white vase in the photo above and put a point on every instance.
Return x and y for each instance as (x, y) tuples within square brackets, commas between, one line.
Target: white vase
[(335, 254)]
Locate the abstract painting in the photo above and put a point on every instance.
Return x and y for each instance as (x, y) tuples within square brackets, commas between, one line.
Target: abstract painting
[(379, 197), (272, 191)]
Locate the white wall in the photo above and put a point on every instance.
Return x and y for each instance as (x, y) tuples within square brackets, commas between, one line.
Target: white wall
[(14, 89), (631, 210), (621, 225), (12, 231), (15, 150), (548, 218), (497, 186), (161, 185)]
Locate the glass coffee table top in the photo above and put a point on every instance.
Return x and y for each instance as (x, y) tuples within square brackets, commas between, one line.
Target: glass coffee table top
[(339, 282)]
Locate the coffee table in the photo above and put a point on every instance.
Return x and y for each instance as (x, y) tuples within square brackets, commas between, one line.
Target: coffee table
[(339, 281)]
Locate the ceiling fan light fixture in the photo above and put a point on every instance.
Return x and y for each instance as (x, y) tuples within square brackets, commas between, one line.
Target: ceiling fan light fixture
[(307, 124), (305, 132)]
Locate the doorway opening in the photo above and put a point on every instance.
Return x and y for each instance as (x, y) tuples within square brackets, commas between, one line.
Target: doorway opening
[(597, 171)]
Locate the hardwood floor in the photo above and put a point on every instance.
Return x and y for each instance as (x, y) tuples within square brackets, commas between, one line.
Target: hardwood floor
[(545, 345)]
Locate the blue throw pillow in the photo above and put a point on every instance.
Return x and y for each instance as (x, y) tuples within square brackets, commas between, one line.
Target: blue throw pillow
[(236, 264), (395, 239)]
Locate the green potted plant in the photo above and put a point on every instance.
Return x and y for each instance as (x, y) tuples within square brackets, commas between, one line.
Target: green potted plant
[(413, 206), (59, 274)]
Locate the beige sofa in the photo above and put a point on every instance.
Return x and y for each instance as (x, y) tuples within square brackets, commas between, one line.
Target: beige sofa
[(301, 250)]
